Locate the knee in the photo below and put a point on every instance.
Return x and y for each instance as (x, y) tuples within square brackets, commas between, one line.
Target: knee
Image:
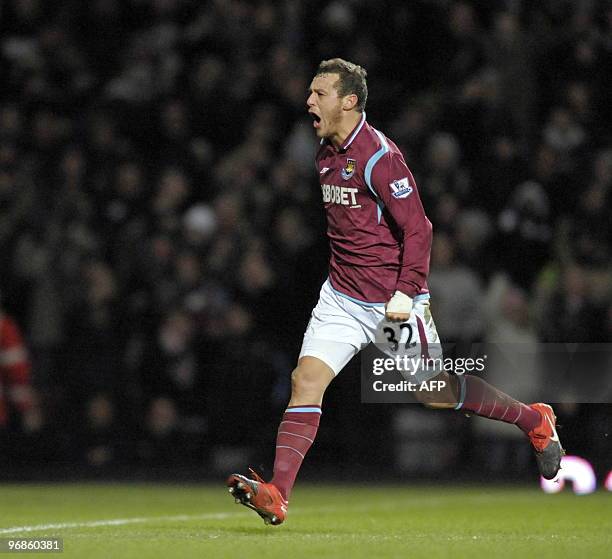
[(442, 398), (438, 405), (304, 380), (310, 379)]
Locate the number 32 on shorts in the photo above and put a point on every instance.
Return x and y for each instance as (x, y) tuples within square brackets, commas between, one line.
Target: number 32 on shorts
[(395, 334)]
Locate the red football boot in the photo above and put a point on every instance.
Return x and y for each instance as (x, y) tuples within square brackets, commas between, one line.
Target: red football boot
[(545, 441), (264, 498)]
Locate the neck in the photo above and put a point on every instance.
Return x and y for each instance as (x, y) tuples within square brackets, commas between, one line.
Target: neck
[(348, 124)]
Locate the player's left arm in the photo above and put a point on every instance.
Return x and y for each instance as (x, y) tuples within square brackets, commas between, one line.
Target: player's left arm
[(395, 186)]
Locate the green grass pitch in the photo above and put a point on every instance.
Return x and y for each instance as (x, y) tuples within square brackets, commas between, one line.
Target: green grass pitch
[(144, 521)]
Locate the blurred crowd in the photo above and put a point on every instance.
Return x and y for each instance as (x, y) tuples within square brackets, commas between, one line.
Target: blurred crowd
[(161, 230)]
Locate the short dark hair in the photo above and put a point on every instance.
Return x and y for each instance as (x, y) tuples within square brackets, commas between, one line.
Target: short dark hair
[(352, 79)]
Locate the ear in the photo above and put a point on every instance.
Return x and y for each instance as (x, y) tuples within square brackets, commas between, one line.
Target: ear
[(349, 102)]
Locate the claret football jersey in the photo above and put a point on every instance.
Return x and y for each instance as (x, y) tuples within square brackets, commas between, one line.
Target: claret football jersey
[(380, 237)]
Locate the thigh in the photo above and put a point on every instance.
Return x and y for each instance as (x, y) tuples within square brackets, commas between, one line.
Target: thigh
[(333, 334), (334, 354)]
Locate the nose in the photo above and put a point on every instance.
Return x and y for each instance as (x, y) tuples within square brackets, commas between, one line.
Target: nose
[(310, 100)]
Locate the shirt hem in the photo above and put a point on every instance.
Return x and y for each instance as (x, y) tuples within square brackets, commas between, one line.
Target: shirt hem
[(419, 297)]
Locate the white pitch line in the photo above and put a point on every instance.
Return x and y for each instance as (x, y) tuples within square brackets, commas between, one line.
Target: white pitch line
[(134, 520), (210, 516), (119, 522)]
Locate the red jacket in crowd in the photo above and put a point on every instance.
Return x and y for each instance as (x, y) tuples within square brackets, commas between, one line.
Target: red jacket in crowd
[(15, 388)]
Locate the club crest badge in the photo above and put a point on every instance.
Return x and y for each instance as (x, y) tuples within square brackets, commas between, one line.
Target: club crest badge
[(349, 169)]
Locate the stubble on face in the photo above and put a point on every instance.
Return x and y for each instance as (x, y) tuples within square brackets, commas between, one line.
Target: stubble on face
[(334, 118)]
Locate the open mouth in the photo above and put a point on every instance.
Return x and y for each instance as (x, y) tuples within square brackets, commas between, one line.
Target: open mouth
[(316, 119)]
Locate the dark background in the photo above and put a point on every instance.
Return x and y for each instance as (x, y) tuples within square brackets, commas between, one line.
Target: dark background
[(162, 236)]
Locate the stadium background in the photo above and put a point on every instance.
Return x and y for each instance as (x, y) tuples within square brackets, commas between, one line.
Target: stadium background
[(162, 238)]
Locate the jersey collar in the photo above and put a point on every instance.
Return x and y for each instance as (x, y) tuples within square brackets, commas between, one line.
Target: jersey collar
[(354, 133)]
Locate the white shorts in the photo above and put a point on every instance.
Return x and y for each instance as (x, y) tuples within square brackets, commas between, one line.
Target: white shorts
[(341, 326)]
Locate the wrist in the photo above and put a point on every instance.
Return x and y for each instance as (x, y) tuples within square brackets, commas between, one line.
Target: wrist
[(400, 303)]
